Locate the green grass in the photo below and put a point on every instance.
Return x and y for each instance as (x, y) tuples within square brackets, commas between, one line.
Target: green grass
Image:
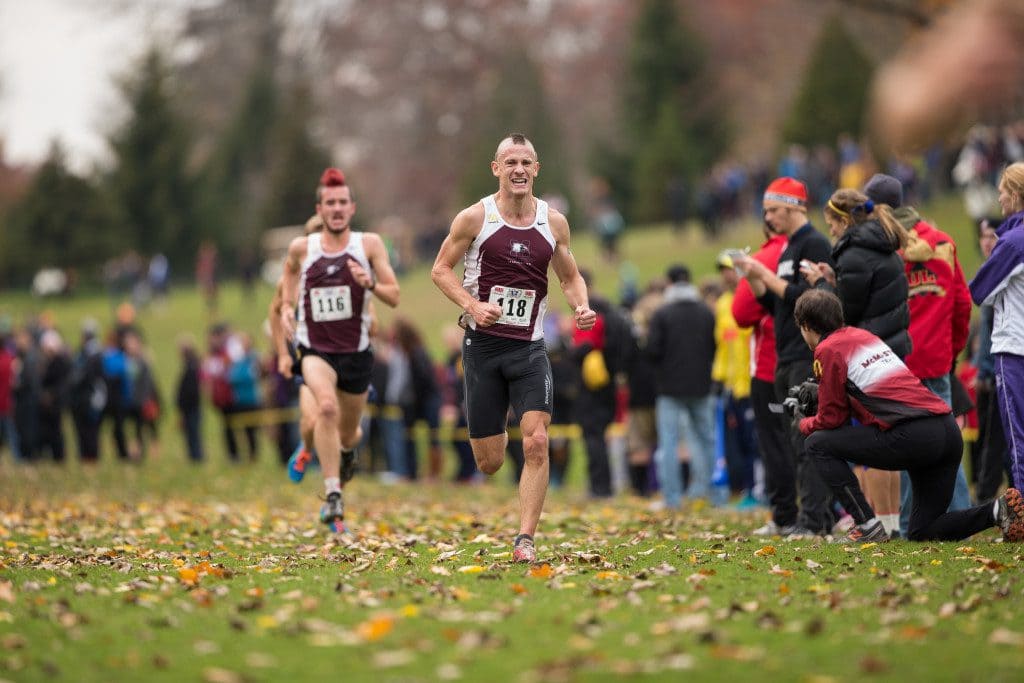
[(96, 564), (96, 584)]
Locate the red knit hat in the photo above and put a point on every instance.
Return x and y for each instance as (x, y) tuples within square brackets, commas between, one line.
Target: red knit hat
[(332, 177), (786, 192)]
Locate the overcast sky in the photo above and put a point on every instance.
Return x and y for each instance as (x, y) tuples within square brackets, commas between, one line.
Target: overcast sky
[(57, 61)]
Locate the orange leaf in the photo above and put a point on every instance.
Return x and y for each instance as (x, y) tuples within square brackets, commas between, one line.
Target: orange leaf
[(188, 576), (543, 571), (765, 551), (376, 627), (519, 589)]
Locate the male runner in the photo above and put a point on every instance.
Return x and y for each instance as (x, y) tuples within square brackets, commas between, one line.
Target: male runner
[(330, 274), (507, 240)]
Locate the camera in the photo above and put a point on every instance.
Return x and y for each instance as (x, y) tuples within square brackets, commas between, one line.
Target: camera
[(802, 398)]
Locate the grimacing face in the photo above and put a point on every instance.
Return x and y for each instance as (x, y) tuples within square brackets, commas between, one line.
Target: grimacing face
[(515, 167), (336, 208)]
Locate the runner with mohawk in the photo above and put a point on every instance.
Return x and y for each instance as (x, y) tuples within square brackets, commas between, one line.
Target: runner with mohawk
[(328, 282)]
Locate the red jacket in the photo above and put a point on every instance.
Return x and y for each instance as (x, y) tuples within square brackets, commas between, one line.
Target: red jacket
[(859, 376), (967, 373), (748, 312), (940, 302)]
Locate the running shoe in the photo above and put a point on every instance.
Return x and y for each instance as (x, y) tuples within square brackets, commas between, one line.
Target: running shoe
[(796, 532), (861, 533), (332, 512), (769, 529), (1010, 515), (298, 463), (348, 465), (523, 549), (747, 502)]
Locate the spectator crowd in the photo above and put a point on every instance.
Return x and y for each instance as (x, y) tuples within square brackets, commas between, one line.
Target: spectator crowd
[(678, 388)]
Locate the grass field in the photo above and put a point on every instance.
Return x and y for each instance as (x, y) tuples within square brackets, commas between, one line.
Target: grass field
[(169, 572)]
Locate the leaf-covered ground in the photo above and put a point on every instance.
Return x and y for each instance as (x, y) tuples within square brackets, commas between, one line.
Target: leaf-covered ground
[(164, 573)]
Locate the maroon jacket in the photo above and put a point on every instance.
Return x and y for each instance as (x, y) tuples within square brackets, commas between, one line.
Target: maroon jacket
[(860, 377)]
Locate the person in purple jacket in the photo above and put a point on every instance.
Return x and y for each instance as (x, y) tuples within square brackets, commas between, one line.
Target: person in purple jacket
[(1000, 283)]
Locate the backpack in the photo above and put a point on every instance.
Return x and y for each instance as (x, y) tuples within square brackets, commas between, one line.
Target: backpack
[(220, 388)]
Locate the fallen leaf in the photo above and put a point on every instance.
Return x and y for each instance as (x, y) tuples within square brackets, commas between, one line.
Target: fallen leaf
[(542, 571), (218, 675), (376, 627), (1003, 636)]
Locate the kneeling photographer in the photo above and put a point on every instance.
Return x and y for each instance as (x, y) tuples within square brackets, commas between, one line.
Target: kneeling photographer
[(902, 426)]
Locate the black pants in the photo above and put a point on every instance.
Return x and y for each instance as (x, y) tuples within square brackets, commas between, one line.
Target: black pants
[(231, 440), (51, 435), (776, 452), (87, 429), (994, 458), (815, 508), (928, 448), (120, 417), (594, 412)]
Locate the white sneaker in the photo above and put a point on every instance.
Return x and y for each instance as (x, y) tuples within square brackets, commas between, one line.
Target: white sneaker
[(769, 529)]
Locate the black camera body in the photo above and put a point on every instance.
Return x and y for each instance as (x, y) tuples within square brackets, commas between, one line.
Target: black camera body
[(802, 398)]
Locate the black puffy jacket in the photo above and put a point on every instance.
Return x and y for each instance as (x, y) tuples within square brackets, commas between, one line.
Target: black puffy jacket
[(871, 283)]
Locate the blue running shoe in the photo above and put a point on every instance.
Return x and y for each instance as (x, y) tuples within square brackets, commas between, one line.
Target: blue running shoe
[(298, 463)]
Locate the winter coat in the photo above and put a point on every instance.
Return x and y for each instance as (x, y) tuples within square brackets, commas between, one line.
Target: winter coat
[(681, 343), (871, 284), (940, 303)]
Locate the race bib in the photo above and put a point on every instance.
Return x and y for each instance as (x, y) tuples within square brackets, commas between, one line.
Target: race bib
[(516, 304), (330, 303)]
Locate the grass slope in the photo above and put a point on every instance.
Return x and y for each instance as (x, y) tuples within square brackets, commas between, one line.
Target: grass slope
[(168, 572)]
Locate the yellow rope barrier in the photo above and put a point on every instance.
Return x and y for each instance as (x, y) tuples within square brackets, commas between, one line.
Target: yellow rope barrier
[(268, 417)]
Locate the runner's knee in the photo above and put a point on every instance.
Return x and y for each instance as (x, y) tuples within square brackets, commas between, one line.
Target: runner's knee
[(328, 411), (489, 455), (535, 446)]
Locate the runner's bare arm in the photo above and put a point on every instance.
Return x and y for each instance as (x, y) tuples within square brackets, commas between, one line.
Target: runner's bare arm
[(465, 228), (290, 284), (374, 320), (568, 273), (383, 283), (284, 359)]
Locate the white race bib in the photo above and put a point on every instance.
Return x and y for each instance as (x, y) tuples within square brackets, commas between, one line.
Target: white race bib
[(330, 303), (516, 304)]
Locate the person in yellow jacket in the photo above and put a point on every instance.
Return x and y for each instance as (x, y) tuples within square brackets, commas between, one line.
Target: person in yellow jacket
[(731, 374)]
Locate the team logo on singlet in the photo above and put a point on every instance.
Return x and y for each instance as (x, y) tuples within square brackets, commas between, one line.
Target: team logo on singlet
[(519, 251), (332, 269)]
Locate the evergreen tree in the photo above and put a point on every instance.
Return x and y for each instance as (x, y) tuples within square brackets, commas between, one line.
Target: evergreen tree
[(664, 156), (150, 184), (63, 221), (833, 95), (667, 82), (297, 162), (236, 175), (518, 104)]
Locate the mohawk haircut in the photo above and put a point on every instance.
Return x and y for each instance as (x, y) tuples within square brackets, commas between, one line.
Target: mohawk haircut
[(331, 177), (515, 139)]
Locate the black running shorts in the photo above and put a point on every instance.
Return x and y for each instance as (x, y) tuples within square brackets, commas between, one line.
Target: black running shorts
[(353, 369), (501, 372)]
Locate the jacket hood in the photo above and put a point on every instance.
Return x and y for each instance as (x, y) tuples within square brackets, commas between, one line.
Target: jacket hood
[(681, 291), (867, 235), (907, 216)]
